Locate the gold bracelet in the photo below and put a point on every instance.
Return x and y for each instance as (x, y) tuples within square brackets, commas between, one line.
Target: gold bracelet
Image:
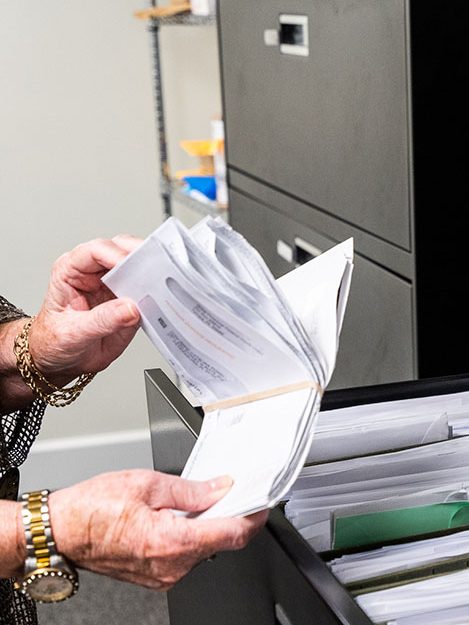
[(54, 395)]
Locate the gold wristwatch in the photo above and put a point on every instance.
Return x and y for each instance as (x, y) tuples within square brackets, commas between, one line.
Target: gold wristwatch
[(48, 576)]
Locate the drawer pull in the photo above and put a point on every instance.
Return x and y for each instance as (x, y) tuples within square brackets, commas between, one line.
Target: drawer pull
[(293, 34), (305, 251), (271, 37), (280, 615), (285, 251)]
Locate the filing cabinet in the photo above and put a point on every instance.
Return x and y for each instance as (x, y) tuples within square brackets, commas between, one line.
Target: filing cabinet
[(278, 579), (378, 299), (345, 118)]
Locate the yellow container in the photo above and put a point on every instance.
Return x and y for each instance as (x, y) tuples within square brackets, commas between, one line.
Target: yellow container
[(204, 147)]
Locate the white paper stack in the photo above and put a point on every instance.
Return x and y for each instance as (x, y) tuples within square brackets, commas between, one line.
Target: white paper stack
[(389, 559), (387, 426), (428, 474), (233, 334), (426, 470), (436, 600), (458, 615)]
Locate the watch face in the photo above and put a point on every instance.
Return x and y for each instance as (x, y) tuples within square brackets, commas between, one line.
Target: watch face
[(50, 585)]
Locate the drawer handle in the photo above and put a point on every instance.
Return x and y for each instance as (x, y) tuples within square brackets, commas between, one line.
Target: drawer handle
[(305, 251), (293, 34), (285, 251), (280, 615)]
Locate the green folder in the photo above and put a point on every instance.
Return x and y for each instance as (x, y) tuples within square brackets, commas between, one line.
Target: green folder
[(381, 527)]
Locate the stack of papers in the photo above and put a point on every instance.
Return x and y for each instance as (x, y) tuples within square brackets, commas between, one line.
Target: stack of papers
[(442, 594), (449, 616), (391, 425), (429, 474), (364, 499), (254, 352), (377, 563)]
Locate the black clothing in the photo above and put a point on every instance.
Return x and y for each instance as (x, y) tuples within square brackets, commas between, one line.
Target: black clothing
[(17, 433)]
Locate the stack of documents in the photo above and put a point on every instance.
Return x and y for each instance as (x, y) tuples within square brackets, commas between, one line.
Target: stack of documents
[(360, 430), (256, 353), (413, 583), (421, 583), (424, 475), (378, 566), (449, 616), (372, 500), (435, 600), (391, 425)]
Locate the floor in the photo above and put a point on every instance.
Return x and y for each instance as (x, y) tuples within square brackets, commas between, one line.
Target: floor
[(104, 600)]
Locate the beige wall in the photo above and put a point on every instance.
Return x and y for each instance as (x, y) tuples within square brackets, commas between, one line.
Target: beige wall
[(78, 157)]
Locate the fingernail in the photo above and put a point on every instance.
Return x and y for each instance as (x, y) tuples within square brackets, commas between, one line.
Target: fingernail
[(131, 311), (224, 482)]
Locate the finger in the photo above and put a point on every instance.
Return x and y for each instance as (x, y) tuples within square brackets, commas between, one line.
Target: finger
[(148, 581), (127, 242), (92, 257), (133, 570), (226, 534), (189, 495), (107, 318)]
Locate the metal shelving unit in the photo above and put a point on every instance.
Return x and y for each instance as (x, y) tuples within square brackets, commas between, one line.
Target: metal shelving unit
[(170, 189)]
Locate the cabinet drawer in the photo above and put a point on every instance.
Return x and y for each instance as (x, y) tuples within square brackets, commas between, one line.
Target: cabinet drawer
[(264, 584), (377, 341), (331, 127), (278, 579)]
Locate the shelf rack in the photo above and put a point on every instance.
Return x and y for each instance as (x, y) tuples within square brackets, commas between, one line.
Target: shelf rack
[(170, 189)]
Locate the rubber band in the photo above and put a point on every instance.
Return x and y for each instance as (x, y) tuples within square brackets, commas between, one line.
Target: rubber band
[(271, 392)]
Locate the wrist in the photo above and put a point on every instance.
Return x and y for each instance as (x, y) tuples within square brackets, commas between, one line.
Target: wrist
[(58, 520), (41, 386), (37, 338), (20, 554), (8, 331), (14, 393), (12, 540)]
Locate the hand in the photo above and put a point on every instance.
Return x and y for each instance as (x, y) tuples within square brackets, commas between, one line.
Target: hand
[(82, 327), (121, 524)]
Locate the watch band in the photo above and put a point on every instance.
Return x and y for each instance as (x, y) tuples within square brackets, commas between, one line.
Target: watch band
[(40, 546), (48, 577)]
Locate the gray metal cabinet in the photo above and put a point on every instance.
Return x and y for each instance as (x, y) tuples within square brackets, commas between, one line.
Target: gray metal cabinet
[(278, 579), (300, 123), (345, 118), (378, 324)]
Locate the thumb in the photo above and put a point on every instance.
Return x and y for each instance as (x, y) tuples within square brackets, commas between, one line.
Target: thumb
[(189, 495), (109, 317)]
